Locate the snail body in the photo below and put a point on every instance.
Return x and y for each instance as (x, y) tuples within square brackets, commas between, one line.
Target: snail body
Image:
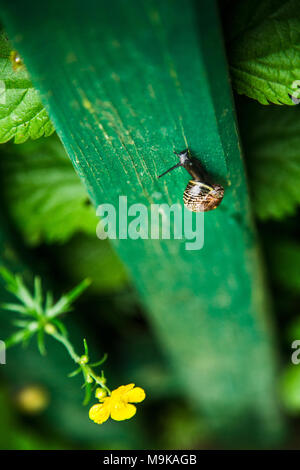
[(200, 195)]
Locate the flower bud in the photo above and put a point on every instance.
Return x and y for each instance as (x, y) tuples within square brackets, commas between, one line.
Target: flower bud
[(100, 393)]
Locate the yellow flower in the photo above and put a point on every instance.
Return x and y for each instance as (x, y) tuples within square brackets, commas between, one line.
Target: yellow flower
[(118, 404)]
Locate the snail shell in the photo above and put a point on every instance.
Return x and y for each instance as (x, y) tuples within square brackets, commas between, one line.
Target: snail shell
[(200, 197)]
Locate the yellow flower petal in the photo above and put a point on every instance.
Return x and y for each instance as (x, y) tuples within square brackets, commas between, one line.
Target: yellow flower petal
[(119, 392), (135, 395), (122, 411), (117, 404), (99, 413)]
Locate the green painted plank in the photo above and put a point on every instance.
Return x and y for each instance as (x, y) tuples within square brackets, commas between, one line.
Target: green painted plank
[(125, 84)]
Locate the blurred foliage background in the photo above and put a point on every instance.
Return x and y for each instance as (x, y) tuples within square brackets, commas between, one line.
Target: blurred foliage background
[(49, 218)]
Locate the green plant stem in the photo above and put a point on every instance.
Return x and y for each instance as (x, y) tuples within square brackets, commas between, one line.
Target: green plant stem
[(64, 340), (86, 369)]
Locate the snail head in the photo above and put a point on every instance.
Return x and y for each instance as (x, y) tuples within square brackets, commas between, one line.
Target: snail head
[(192, 165)]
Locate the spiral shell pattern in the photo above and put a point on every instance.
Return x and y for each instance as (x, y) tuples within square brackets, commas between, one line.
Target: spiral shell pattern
[(201, 197)]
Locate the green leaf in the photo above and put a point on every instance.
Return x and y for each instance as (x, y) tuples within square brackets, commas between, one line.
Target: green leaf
[(98, 363), (86, 349), (271, 141), (41, 341), (14, 308), (88, 393), (20, 323), (65, 302), (49, 300), (75, 372), (38, 295), (46, 199), (10, 280), (73, 294), (22, 114), (15, 285), (19, 337), (263, 48), (60, 326)]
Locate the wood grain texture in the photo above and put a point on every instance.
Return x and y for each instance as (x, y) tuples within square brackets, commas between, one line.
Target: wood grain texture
[(125, 84)]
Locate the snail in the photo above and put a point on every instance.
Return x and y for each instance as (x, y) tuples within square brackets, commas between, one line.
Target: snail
[(200, 195)]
